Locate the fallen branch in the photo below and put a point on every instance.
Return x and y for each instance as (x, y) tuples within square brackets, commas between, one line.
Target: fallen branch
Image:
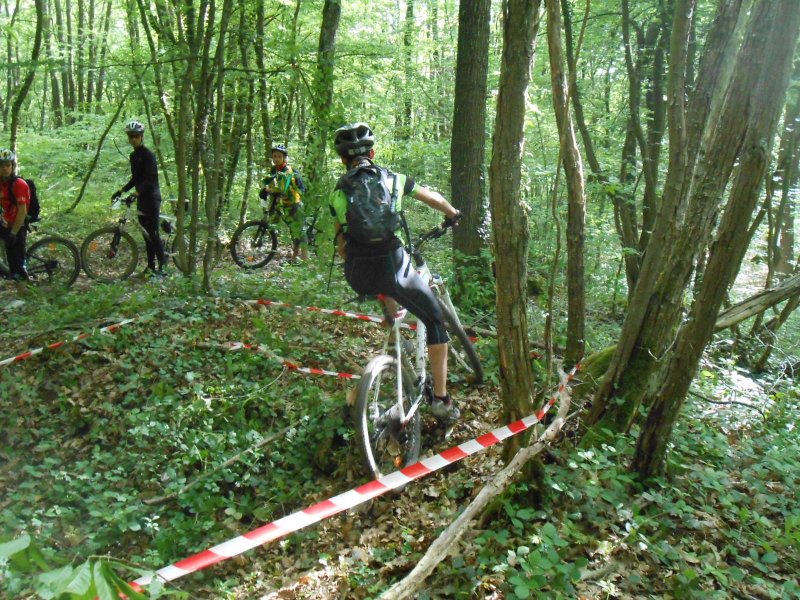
[(758, 303), (439, 549)]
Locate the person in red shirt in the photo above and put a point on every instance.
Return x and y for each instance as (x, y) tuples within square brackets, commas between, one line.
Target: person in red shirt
[(14, 200)]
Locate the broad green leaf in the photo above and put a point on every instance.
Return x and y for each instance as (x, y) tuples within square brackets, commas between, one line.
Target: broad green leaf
[(522, 591), (769, 558), (19, 544), (104, 590), (81, 579)]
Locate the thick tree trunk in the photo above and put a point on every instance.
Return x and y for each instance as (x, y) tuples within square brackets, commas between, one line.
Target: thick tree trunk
[(510, 223), (573, 169), (786, 175), (261, 62), (57, 110), (468, 146), (656, 303), (772, 37)]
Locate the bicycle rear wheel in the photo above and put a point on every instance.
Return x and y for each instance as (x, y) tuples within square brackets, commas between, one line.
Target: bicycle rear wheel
[(53, 263), (385, 444), (460, 347), (109, 254), (253, 244)]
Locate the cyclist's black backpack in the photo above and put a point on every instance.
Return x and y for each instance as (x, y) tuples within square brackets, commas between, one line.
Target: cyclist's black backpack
[(372, 217), (33, 204)]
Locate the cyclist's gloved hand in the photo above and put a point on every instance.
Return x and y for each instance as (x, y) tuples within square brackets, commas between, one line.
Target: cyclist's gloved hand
[(452, 221), (116, 195), (263, 194)]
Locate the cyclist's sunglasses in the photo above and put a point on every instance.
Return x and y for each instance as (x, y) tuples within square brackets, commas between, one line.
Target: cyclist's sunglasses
[(134, 135)]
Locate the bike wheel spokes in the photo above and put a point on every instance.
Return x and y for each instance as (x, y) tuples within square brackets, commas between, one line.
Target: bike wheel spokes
[(109, 255), (53, 263), (253, 245), (386, 443)]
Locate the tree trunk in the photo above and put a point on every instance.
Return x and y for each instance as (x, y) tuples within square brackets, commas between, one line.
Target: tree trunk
[(467, 145), (786, 175), (409, 45), (56, 108), (656, 303), (25, 86), (322, 99), (510, 223), (774, 33), (573, 170)]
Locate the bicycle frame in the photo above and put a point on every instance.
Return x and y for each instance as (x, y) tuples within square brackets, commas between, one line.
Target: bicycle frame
[(419, 365), (129, 211)]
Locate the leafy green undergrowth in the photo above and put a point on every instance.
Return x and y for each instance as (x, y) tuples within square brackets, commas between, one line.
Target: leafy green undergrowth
[(155, 442), (723, 523)]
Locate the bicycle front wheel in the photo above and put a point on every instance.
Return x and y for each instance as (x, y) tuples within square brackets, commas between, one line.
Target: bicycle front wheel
[(53, 263), (460, 347), (253, 244), (386, 444), (109, 254)]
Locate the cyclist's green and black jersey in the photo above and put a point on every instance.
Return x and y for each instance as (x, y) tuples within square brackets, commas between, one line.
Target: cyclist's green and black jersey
[(338, 206), (385, 268)]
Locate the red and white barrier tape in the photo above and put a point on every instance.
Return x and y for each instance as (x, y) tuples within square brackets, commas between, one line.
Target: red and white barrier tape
[(82, 336), (235, 346), (327, 311), (322, 510)]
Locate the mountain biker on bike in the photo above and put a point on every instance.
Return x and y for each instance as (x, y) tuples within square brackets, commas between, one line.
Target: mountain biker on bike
[(285, 187), (144, 181), (385, 267), (13, 230)]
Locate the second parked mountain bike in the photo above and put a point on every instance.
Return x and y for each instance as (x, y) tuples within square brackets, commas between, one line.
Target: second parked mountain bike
[(255, 243), (111, 253)]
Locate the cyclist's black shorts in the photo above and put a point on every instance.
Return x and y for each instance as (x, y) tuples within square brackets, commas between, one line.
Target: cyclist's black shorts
[(393, 275)]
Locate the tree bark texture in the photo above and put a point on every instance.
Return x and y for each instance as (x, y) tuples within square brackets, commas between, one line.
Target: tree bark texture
[(771, 39), (655, 305), (322, 98), (468, 145), (510, 223), (576, 203)]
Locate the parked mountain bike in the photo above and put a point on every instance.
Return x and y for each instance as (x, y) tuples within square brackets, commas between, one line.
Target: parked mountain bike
[(53, 262), (255, 242), (395, 383), (111, 253)]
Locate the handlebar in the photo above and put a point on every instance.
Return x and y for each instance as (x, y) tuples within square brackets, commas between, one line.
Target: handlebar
[(127, 201), (433, 234)]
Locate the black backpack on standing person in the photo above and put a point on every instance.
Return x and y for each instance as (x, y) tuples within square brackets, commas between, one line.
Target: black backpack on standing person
[(33, 203), (371, 215)]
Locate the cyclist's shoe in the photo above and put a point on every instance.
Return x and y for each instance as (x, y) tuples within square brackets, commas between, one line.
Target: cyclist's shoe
[(445, 409)]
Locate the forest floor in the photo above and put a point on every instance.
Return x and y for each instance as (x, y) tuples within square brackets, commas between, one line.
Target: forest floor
[(118, 445)]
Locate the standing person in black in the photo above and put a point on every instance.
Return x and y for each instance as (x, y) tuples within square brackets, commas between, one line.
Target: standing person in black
[(144, 180)]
